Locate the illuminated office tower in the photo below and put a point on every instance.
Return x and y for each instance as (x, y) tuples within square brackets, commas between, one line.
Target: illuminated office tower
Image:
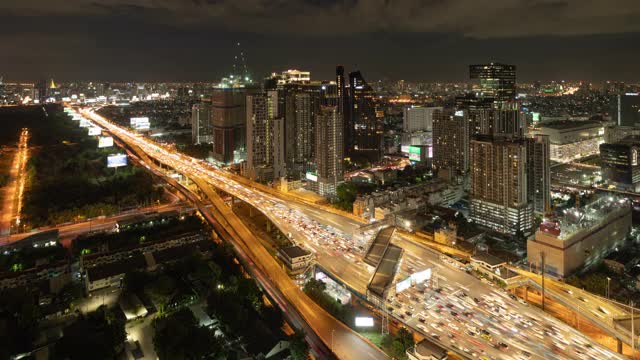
[(201, 126), (329, 151), (497, 81), (539, 173), (265, 145), (499, 197), (451, 140), (228, 117), (367, 126), (628, 109)]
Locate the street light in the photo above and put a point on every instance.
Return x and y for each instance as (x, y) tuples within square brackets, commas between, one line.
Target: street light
[(332, 331), (608, 287)]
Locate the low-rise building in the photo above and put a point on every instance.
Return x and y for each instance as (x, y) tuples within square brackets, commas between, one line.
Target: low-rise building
[(581, 237), (295, 258), (427, 350), (571, 139)]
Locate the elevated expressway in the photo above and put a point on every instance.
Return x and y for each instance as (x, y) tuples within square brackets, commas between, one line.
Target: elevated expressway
[(326, 332), (339, 249)]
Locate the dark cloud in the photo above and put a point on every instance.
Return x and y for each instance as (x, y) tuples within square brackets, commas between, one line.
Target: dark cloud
[(470, 18), (411, 39)]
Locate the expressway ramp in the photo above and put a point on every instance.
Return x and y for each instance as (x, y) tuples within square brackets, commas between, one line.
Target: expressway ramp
[(379, 246)]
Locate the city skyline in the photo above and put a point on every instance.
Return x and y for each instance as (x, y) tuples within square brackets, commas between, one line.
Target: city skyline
[(172, 41)]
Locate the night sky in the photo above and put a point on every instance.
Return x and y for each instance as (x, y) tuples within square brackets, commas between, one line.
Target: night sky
[(416, 40)]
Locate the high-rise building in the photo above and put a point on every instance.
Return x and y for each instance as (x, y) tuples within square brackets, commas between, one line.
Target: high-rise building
[(306, 109), (628, 109), (292, 76), (497, 81), (328, 150), (499, 196), (201, 126), (265, 145), (539, 173), (366, 125), (228, 118), (451, 140), (620, 163), (418, 118), (504, 120)]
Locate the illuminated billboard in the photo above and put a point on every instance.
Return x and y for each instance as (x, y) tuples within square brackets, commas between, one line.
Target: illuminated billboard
[(414, 156), (403, 285), (105, 141), (459, 113), (84, 123), (95, 131), (364, 321), (117, 160), (140, 123), (535, 116), (421, 276), (404, 148), (311, 176)]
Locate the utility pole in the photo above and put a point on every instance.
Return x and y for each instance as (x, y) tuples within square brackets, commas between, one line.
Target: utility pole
[(633, 334), (542, 265)]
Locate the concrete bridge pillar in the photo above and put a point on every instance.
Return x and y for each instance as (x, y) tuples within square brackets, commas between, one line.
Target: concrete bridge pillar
[(619, 346), (526, 293)]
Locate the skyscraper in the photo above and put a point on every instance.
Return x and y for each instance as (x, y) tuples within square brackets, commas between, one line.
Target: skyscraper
[(497, 81), (367, 128), (345, 109), (329, 150), (265, 145), (499, 197), (538, 173), (228, 117), (628, 109), (451, 140), (201, 126)]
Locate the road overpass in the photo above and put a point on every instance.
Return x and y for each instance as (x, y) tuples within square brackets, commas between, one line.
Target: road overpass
[(333, 334), (337, 250)]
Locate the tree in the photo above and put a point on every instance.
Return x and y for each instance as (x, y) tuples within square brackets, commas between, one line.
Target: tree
[(178, 336), (99, 335), (402, 342), (298, 346)]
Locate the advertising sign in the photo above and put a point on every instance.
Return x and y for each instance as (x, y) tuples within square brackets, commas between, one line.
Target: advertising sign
[(404, 149), (421, 276), (117, 160), (84, 123), (105, 141), (364, 321), (311, 176), (414, 156), (535, 116), (403, 285), (95, 131), (140, 123)]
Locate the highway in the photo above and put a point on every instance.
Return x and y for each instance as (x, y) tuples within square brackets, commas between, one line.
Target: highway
[(341, 248), (14, 191), (344, 342), (68, 231)]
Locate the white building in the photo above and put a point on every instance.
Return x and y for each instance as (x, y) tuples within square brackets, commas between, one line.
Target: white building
[(418, 118)]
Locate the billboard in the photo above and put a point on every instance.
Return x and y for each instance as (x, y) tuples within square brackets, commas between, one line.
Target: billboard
[(140, 123), (95, 131), (364, 321), (404, 149), (414, 156), (85, 123), (459, 113), (535, 116), (403, 285), (117, 160), (421, 276), (105, 141), (311, 176)]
